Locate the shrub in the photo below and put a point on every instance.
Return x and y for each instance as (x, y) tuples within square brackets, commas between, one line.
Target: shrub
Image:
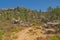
[(1, 32), (38, 38), (55, 38)]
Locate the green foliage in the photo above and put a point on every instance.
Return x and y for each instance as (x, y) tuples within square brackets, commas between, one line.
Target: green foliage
[(54, 38), (1, 33), (58, 26), (29, 15)]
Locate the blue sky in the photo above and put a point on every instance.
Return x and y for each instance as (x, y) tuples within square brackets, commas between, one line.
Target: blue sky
[(31, 4)]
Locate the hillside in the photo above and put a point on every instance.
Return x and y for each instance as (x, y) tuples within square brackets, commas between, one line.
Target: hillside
[(26, 24)]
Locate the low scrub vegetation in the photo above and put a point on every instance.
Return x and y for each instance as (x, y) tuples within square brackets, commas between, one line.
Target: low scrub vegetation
[(17, 19), (1, 34), (55, 38)]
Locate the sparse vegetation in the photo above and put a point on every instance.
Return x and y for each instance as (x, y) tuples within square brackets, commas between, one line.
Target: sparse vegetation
[(38, 38), (1, 34), (17, 19), (55, 38)]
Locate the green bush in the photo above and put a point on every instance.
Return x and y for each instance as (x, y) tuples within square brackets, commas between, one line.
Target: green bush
[(1, 33), (55, 38)]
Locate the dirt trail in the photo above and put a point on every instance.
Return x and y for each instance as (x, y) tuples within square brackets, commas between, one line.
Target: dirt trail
[(22, 35)]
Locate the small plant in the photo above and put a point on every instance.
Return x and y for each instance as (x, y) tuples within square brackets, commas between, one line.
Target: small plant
[(1, 33), (38, 28), (54, 38), (38, 38), (30, 30)]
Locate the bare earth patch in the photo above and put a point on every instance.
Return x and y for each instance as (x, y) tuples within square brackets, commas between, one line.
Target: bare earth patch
[(30, 35)]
